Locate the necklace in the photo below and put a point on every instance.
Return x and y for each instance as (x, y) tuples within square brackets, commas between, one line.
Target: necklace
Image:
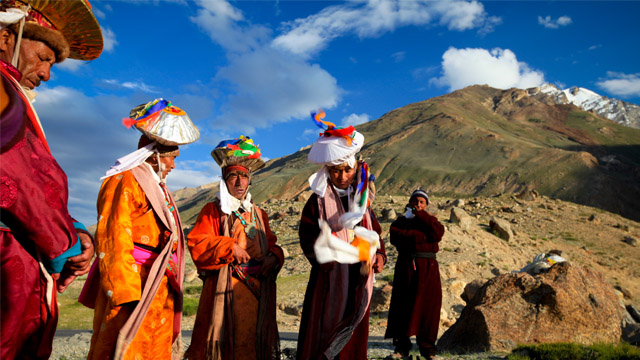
[(249, 229)]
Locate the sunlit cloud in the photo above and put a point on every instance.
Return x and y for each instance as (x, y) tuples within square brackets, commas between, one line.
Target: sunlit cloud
[(620, 84), (355, 119), (497, 68), (373, 18)]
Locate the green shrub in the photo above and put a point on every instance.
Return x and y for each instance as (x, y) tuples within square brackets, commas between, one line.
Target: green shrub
[(190, 306), (570, 351)]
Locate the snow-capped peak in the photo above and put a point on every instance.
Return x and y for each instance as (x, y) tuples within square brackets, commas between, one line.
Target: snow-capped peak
[(613, 109)]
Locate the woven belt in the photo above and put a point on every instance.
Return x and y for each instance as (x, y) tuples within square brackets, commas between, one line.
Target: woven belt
[(428, 255)]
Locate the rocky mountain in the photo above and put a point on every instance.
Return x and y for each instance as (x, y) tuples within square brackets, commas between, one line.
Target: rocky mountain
[(481, 141), (622, 112)]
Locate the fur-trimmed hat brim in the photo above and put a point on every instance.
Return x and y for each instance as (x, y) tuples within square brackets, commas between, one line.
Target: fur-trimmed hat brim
[(53, 38)]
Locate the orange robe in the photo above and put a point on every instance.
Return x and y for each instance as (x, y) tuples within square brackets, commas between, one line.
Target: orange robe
[(211, 251), (126, 217)]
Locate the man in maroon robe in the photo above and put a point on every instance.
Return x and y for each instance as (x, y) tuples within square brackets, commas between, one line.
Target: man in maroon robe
[(335, 313), (417, 293), (40, 250)]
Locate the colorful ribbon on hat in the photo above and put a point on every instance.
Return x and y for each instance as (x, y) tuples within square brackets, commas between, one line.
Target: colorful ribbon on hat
[(330, 129), (149, 112), (242, 146)]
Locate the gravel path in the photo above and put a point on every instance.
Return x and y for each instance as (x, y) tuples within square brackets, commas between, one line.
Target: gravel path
[(74, 345)]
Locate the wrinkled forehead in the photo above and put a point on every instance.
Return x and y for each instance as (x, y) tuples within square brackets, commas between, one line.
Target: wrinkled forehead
[(342, 167)]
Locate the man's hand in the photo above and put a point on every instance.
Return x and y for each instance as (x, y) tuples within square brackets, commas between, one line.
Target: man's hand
[(77, 265), (268, 264), (240, 255), (378, 263)]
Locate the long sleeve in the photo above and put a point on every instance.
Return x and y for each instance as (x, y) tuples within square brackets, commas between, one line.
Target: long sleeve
[(274, 248), (119, 196), (209, 249), (308, 230), (34, 194)]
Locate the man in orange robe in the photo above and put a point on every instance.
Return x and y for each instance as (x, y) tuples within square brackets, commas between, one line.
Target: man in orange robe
[(237, 256), (135, 285)]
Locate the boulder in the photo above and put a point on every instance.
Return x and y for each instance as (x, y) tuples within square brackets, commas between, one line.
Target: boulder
[(471, 289), (460, 217), (278, 215), (502, 228), (381, 298), (630, 240), (567, 303), (389, 215)]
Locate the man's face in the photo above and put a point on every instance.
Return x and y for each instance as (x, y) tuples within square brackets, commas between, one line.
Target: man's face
[(418, 203), (238, 183), (341, 176), (36, 59), (168, 164)]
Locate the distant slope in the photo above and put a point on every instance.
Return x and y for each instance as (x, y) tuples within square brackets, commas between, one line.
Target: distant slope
[(481, 141)]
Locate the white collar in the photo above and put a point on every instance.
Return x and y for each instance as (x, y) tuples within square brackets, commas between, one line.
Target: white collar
[(228, 203)]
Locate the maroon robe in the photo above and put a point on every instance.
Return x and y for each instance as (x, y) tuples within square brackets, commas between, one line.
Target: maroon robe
[(321, 334), (35, 223), (417, 293)]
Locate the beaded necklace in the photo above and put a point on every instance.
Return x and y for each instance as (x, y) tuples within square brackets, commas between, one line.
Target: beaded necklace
[(249, 229)]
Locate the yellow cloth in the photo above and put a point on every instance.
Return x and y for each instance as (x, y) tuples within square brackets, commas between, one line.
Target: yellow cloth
[(125, 217)]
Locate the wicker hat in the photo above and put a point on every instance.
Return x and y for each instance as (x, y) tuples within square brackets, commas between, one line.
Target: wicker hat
[(162, 122), (238, 152), (67, 26)]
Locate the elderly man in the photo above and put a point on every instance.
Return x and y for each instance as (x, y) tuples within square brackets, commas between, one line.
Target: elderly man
[(135, 284), (335, 314), (40, 248), (417, 293), (237, 256)]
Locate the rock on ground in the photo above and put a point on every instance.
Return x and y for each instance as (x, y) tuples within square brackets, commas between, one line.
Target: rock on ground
[(568, 303)]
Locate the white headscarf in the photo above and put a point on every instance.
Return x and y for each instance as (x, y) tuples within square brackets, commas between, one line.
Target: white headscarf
[(131, 160), (228, 203), (332, 151)]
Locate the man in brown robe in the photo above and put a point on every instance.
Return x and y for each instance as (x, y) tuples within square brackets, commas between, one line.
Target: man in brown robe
[(237, 257)]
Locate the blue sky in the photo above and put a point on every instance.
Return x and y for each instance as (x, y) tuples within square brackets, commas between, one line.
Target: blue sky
[(259, 67)]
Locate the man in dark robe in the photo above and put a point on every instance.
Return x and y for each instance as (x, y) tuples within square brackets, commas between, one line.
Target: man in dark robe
[(335, 314), (417, 293)]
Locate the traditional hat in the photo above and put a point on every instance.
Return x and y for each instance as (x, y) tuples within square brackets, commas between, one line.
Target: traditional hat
[(163, 123), (335, 145), (238, 152), (67, 26)]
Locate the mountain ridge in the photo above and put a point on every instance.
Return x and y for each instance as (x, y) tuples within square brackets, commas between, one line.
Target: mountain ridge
[(481, 141)]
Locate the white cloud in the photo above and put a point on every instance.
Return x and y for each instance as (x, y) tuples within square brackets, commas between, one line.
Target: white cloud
[(620, 84), (497, 68), (287, 90), (71, 65), (375, 17), (99, 13), (355, 119), (594, 47), (398, 56), (549, 23), (86, 136), (220, 20), (132, 85), (109, 39)]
